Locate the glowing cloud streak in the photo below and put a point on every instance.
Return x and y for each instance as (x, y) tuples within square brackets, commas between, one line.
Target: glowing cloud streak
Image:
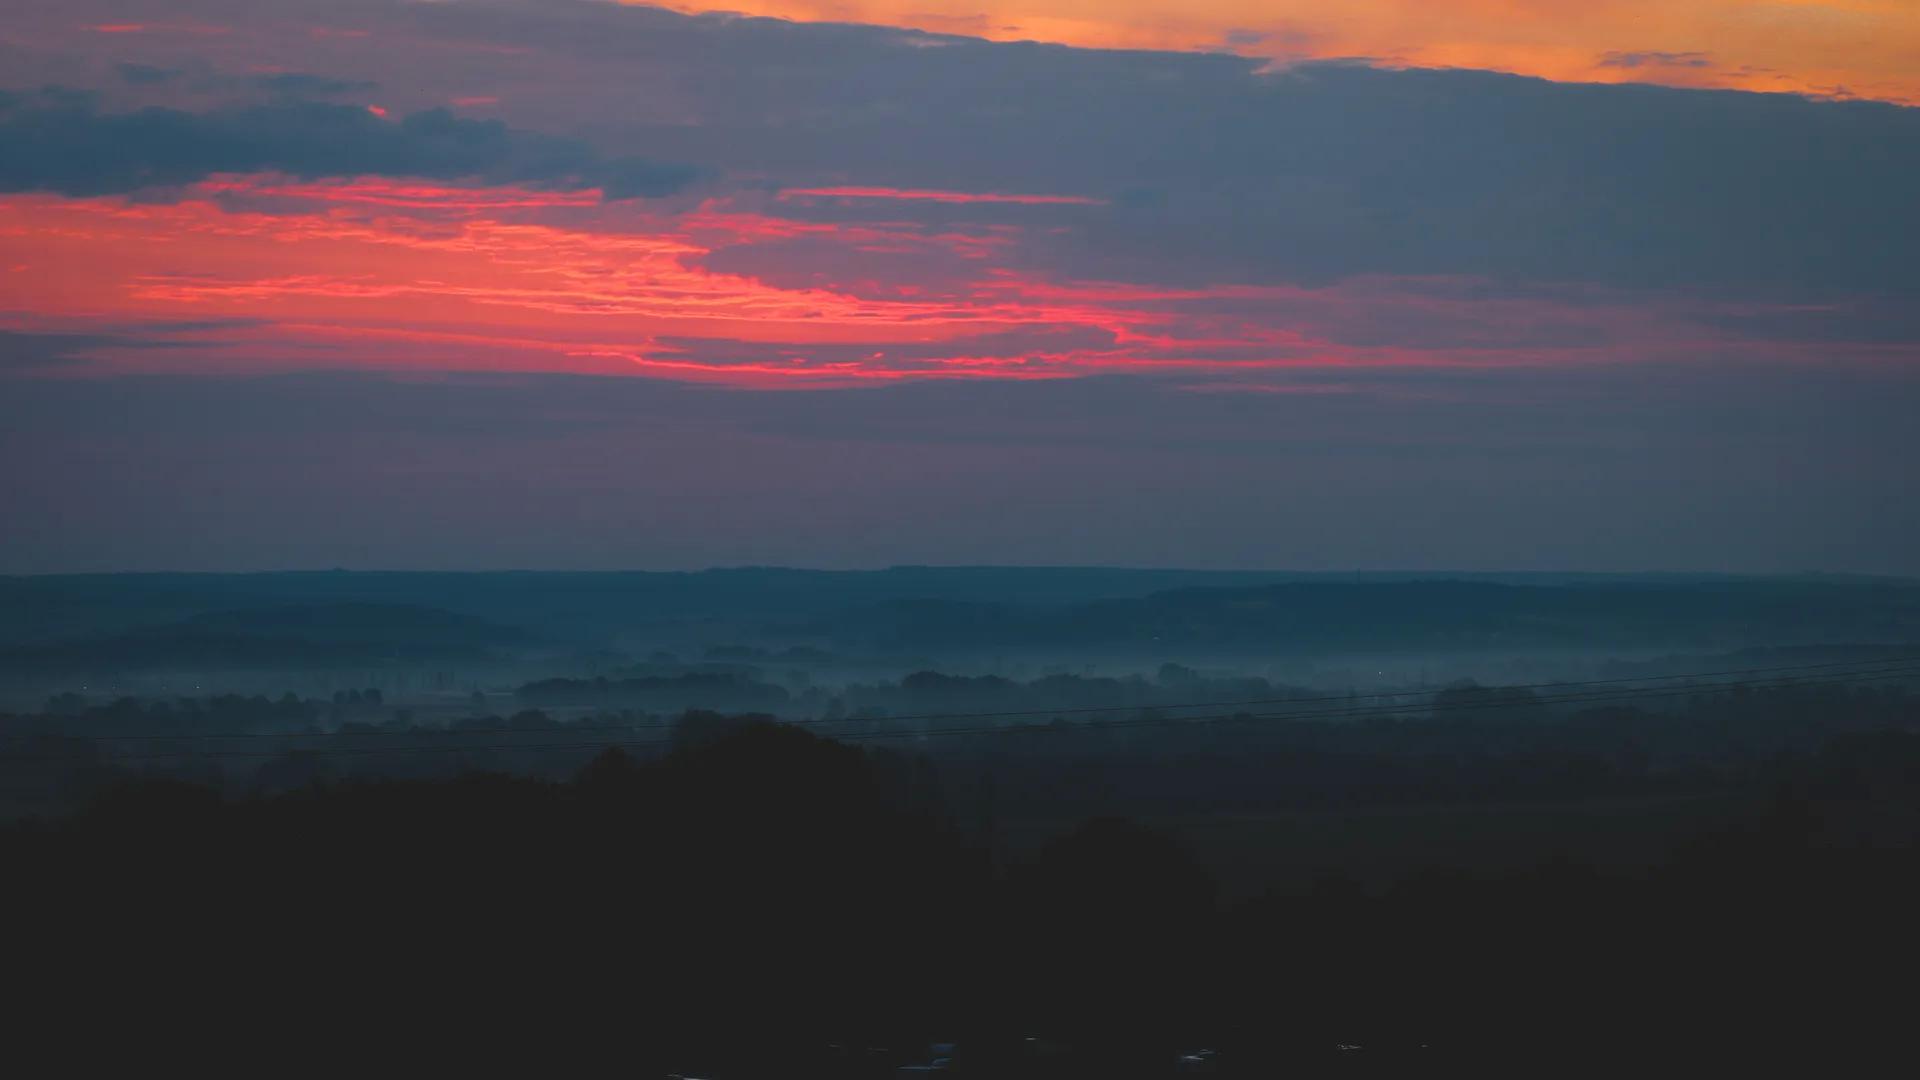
[(415, 275)]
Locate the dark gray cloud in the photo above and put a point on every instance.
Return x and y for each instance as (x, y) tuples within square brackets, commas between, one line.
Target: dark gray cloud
[(1218, 171), (61, 141), (1338, 170), (1215, 168), (146, 74), (24, 351), (305, 84), (299, 84), (29, 352), (1655, 59)]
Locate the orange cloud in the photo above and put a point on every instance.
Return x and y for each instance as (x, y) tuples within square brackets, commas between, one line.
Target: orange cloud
[(1863, 48)]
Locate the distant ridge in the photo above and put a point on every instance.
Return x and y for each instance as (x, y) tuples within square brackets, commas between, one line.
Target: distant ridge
[(289, 636), (967, 608)]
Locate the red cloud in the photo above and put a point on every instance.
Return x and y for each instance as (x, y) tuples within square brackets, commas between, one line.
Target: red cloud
[(433, 276)]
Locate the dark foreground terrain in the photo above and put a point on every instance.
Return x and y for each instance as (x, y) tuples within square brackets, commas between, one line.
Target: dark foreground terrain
[(767, 903)]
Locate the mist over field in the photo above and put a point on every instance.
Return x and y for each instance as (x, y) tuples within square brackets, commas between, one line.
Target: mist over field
[(1104, 779)]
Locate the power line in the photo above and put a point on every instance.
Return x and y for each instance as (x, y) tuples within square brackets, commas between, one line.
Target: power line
[(1223, 718)]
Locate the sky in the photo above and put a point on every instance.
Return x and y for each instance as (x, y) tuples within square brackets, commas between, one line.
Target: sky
[(1489, 284)]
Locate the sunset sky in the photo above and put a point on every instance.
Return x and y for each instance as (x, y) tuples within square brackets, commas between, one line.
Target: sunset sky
[(1529, 284)]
